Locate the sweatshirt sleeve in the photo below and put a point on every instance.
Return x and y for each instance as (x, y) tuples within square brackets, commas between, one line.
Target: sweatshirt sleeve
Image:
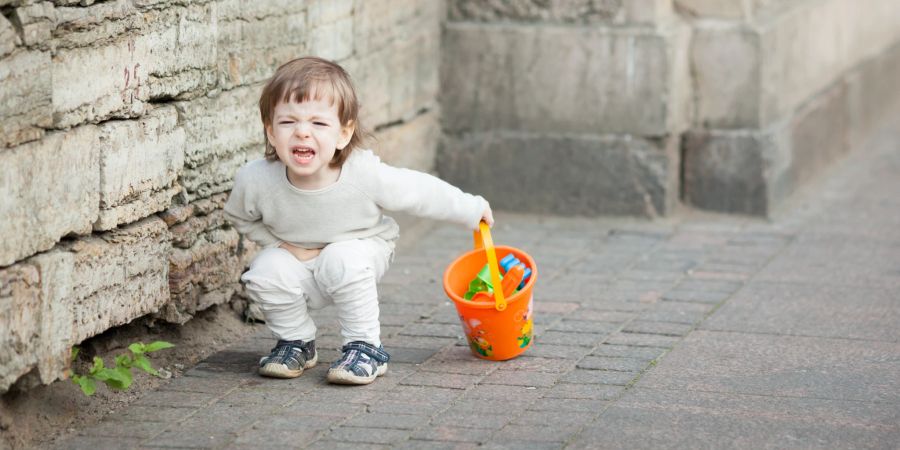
[(424, 195), (243, 212)]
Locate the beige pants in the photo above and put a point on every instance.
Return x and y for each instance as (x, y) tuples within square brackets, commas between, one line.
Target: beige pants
[(344, 274)]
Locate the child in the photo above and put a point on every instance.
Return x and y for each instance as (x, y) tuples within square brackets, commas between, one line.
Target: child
[(314, 204)]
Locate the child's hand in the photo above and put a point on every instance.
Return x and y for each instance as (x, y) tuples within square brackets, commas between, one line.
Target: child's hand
[(488, 215), (303, 254)]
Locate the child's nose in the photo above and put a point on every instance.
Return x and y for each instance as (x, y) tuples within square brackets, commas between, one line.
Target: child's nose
[(303, 128)]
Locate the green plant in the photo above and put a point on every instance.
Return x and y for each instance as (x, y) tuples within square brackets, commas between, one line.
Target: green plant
[(118, 377)]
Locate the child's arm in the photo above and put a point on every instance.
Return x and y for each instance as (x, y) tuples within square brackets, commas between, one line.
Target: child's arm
[(242, 212), (424, 195)]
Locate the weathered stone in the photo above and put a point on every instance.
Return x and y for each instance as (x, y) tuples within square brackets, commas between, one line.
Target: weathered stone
[(755, 75), (577, 12), (509, 77), (566, 175), (26, 96), (139, 163), (254, 38), (872, 94), (83, 26), (49, 189), (118, 276), (399, 80), (35, 21), (9, 38), (411, 144), (726, 9), (80, 289), (753, 172), (205, 274), (222, 134), (20, 318), (174, 56)]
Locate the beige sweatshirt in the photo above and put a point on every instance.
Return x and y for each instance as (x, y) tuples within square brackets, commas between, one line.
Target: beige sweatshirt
[(266, 208)]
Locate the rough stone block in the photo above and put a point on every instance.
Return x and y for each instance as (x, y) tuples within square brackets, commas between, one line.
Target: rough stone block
[(49, 189), (752, 172), (726, 9), (402, 87), (36, 22), (119, 276), (77, 290), (9, 38), (83, 26), (25, 100), (254, 38), (412, 144), (333, 40), (20, 315), (173, 56), (561, 79), (565, 175), (753, 75), (577, 12), (222, 133), (139, 163), (872, 93), (206, 273)]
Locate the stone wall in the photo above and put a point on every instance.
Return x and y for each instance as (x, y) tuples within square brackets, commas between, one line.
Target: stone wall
[(634, 106), (122, 123)]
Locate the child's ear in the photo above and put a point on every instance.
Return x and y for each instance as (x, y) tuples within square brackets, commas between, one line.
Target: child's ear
[(269, 135), (346, 134)]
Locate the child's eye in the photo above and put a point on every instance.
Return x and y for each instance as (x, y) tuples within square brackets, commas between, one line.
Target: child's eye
[(322, 124), (286, 122)]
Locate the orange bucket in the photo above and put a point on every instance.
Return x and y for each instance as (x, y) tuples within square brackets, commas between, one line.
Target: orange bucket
[(498, 330)]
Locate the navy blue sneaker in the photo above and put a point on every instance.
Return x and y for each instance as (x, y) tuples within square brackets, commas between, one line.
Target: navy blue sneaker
[(288, 359), (361, 364)]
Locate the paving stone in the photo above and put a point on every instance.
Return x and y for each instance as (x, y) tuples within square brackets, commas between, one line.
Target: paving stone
[(613, 363), (557, 351), (328, 444), (471, 420), (584, 326), (96, 442), (177, 399), (680, 295), (275, 437), (368, 435), (608, 377), (780, 365), (589, 392), (516, 443), (688, 419), (200, 385), (536, 364), (553, 337), (662, 328), (139, 413), (808, 309), (327, 408), (503, 407), (453, 434), (432, 329), (568, 405), (532, 434), (418, 444), (444, 380), (599, 315), (642, 340), (114, 428), (392, 421), (516, 378), (626, 351), (411, 355)]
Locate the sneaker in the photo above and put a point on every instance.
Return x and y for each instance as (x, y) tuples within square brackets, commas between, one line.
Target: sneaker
[(288, 359), (360, 364)]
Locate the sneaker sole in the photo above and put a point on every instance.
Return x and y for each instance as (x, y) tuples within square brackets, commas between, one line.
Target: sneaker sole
[(337, 376), (275, 370)]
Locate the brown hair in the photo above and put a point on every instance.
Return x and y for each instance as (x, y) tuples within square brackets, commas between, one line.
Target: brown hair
[(315, 78)]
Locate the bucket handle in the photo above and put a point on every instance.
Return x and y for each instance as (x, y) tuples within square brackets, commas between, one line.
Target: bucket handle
[(483, 240)]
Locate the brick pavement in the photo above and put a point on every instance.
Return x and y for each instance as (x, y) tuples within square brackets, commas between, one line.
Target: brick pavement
[(696, 331)]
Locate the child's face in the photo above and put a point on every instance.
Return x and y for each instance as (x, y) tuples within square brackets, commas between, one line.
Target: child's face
[(305, 136)]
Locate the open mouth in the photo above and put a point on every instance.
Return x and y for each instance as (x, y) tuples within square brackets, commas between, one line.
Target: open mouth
[(303, 154)]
